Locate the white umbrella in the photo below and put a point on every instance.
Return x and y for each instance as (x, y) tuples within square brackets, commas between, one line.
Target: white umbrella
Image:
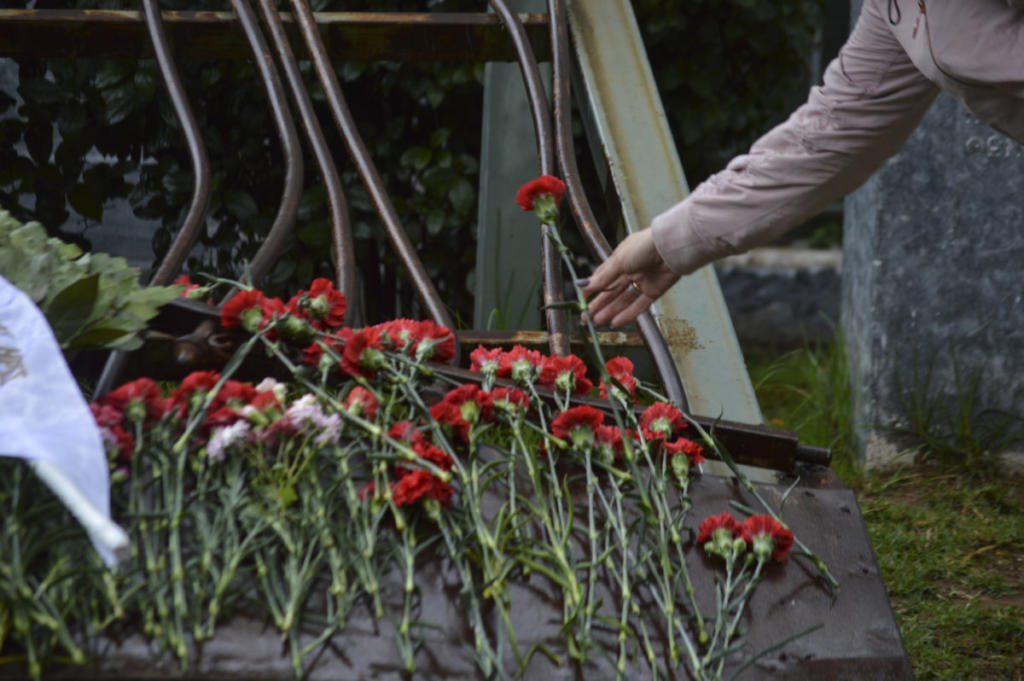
[(44, 419)]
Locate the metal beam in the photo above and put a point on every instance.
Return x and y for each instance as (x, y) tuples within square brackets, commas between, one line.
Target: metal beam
[(622, 98), (393, 36)]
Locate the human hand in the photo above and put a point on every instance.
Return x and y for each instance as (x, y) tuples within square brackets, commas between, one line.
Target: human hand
[(634, 261)]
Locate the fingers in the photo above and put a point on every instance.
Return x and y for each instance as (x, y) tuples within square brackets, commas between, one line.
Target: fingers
[(632, 311), (634, 262), (604, 277), (619, 303)]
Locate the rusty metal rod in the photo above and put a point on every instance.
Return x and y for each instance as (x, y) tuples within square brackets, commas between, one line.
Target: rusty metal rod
[(367, 170), (585, 220), (275, 240), (557, 319), (341, 232), (186, 236)]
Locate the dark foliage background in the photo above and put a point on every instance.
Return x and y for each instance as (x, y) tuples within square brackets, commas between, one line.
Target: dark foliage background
[(90, 130)]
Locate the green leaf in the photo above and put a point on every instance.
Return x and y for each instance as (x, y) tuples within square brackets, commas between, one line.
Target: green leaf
[(241, 205), (462, 196), (98, 337), (315, 234), (417, 157), (72, 119), (112, 72), (287, 496), (39, 141), (85, 202), (435, 222), (71, 307), (40, 91), (118, 103), (351, 70), (29, 237), (156, 295)]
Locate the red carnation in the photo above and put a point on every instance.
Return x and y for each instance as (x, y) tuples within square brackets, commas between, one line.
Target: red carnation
[(429, 452), (105, 415), (577, 425), (367, 490), (434, 455), (418, 485), (116, 440), (195, 384), (693, 451), (125, 443), (265, 401), (567, 373), (183, 280), (361, 402), (434, 342), (406, 431), (520, 364), (722, 521), (233, 313), (661, 420), (485, 361), (768, 537), (621, 369), (544, 185), (608, 441), (464, 407), (252, 311), (140, 399), (362, 355), (400, 334), (236, 392), (322, 305), (510, 399)]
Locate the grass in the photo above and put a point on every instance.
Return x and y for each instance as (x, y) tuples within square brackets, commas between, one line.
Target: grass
[(949, 540)]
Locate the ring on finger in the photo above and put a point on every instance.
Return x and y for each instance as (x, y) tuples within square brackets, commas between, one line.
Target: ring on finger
[(636, 288)]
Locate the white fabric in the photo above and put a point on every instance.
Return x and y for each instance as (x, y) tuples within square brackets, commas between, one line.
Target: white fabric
[(44, 417)]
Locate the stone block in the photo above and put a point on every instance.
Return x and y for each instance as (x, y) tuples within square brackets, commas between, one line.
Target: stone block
[(933, 289)]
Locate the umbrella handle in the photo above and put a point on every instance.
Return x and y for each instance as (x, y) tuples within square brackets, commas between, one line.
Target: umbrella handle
[(104, 532)]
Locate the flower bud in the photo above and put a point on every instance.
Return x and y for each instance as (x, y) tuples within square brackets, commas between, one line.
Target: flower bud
[(251, 319), (297, 329), (318, 307)]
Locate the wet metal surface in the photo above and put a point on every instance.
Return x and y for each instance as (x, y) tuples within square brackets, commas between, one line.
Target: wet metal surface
[(853, 638), (216, 35)]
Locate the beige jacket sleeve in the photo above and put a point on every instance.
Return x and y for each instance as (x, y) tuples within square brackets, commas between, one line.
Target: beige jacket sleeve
[(871, 100)]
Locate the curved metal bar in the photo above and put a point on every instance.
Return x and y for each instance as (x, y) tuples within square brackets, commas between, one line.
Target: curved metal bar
[(341, 231), (367, 170), (557, 320), (274, 242), (581, 210), (186, 237)]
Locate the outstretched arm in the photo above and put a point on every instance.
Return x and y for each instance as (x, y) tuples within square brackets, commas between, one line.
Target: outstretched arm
[(871, 100)]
